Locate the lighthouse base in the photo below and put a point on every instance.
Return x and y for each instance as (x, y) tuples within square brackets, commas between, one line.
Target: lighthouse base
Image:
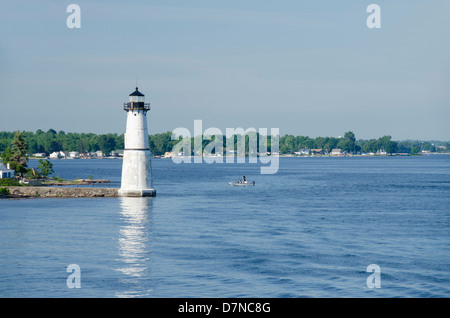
[(136, 174), (137, 193)]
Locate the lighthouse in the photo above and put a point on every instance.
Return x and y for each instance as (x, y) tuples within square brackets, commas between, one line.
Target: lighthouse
[(136, 166)]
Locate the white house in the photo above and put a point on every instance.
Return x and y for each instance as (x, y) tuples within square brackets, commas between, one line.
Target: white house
[(74, 154), (336, 152), (54, 155), (6, 171), (303, 151)]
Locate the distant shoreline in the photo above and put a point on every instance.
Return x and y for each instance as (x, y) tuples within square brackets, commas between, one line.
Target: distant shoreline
[(41, 144), (280, 156)]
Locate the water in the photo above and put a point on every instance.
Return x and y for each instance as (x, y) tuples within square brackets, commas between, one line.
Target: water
[(310, 230)]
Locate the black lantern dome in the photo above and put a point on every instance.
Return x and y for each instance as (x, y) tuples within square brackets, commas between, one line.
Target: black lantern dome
[(137, 93)]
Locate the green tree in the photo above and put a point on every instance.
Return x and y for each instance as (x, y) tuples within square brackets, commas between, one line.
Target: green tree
[(348, 143), (288, 144), (107, 143), (372, 145), (330, 144), (414, 150), (81, 146), (45, 168), (6, 156), (350, 136), (161, 143), (51, 132), (54, 146), (388, 145), (19, 157)]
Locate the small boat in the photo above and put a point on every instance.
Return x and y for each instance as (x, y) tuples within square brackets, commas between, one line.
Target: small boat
[(243, 184)]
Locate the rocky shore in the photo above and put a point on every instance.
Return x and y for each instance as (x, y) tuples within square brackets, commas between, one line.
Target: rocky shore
[(59, 192)]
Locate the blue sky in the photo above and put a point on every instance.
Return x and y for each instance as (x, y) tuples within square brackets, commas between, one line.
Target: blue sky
[(306, 67)]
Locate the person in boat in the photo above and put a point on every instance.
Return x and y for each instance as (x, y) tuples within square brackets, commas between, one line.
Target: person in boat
[(243, 179)]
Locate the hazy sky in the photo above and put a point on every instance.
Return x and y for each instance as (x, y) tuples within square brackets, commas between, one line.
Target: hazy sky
[(306, 67)]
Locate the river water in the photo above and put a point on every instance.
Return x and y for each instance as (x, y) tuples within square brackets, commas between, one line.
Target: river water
[(310, 230)]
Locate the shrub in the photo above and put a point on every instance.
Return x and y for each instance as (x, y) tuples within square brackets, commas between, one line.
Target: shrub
[(9, 182)]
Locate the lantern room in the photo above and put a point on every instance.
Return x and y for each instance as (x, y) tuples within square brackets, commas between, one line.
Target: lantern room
[(136, 101)]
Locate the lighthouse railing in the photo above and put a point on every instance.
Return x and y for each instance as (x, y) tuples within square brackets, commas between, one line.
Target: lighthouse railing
[(137, 106)]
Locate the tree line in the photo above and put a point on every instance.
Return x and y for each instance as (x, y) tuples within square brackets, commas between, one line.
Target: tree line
[(51, 141), (350, 144)]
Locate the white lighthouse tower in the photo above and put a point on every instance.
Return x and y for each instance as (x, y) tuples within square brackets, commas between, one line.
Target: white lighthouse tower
[(137, 166)]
